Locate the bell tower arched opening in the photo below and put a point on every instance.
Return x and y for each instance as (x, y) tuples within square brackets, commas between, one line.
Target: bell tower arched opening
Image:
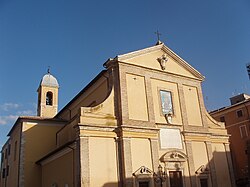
[(49, 98)]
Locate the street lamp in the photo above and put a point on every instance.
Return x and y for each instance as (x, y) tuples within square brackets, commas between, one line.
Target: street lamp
[(160, 176)]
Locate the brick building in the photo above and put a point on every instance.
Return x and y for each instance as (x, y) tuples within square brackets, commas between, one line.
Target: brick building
[(236, 118)]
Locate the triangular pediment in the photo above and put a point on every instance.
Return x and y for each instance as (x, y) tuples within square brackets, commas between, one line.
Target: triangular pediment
[(153, 56), (143, 171)]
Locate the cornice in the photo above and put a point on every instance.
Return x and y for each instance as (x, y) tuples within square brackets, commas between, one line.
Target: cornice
[(159, 71), (183, 62), (209, 135), (95, 127), (137, 128), (138, 52), (164, 48), (234, 107)]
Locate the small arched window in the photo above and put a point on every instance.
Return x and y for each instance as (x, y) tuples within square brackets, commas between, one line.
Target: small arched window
[(49, 98)]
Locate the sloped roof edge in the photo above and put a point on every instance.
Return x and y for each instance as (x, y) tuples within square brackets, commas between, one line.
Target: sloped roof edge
[(81, 92), (33, 118), (166, 50)]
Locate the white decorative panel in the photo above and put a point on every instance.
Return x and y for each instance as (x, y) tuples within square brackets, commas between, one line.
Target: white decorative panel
[(170, 138)]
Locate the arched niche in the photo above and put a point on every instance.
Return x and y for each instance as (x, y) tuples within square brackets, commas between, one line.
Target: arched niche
[(49, 98)]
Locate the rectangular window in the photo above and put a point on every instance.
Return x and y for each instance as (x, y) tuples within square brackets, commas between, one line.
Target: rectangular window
[(243, 131), (222, 119), (166, 102), (2, 157), (9, 147), (3, 173), (15, 150), (239, 113), (7, 170), (6, 153)]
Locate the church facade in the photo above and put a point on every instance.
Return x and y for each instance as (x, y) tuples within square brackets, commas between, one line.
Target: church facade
[(140, 123)]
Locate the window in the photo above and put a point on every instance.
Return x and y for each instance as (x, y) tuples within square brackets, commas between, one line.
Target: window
[(166, 102), (9, 148), (49, 98), (15, 150), (222, 119), (2, 157), (6, 152), (7, 170), (243, 131), (239, 113), (3, 173), (203, 182)]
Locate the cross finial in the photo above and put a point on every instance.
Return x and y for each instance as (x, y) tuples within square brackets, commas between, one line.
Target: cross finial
[(158, 35), (48, 70)]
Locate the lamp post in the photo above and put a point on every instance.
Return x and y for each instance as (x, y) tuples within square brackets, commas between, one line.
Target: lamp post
[(160, 176)]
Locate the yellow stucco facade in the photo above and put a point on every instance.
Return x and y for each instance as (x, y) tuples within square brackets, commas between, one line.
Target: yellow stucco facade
[(143, 111)]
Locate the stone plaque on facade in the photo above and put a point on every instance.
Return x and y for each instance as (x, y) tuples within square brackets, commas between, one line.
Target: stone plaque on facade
[(170, 139)]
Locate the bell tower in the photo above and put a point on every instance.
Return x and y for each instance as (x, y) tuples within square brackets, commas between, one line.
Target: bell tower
[(47, 96)]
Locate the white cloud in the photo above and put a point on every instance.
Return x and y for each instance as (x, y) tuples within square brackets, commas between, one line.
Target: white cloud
[(11, 111), (4, 120), (26, 113), (9, 106)]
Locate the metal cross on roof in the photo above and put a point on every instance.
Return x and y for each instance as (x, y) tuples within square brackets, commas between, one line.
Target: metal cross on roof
[(158, 35), (48, 70)]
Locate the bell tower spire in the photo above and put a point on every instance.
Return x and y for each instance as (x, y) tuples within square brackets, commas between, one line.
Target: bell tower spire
[(47, 96)]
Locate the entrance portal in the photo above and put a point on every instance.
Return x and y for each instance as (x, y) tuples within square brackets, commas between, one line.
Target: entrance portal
[(144, 184), (175, 179)]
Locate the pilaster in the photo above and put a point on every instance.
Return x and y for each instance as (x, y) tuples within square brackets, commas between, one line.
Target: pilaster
[(211, 164), (230, 164), (191, 163), (150, 102), (154, 153), (127, 162), (84, 162), (202, 107), (77, 163), (117, 93), (21, 178), (123, 93), (182, 105)]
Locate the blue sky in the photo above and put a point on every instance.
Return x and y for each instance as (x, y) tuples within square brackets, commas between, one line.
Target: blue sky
[(76, 37)]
